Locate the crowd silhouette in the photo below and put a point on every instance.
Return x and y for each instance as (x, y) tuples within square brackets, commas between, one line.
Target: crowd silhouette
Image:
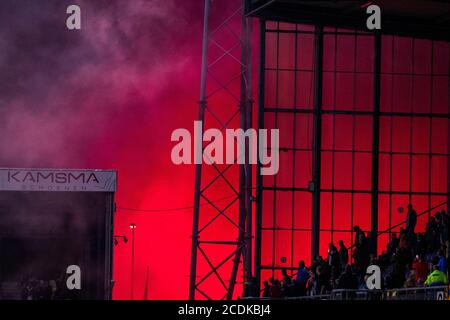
[(409, 260)]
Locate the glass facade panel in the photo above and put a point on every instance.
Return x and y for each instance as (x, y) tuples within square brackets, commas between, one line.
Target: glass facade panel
[(413, 152)]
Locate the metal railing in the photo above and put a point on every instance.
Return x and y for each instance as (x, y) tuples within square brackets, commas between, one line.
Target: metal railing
[(417, 293), (314, 297), (423, 293), (346, 294)]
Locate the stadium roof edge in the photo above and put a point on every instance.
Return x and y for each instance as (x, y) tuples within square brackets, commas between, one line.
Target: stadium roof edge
[(416, 18)]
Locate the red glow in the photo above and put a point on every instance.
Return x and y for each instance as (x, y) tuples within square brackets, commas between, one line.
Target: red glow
[(346, 158), (110, 97)]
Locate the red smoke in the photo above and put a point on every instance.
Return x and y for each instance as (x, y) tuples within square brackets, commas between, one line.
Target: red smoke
[(109, 96)]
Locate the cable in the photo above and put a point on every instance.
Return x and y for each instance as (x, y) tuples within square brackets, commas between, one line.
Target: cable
[(176, 209), (173, 209)]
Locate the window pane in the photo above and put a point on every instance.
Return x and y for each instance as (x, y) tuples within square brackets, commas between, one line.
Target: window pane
[(302, 209), (440, 95), (271, 52), (343, 170), (270, 89), (362, 210), (386, 95), (287, 48), (363, 133), (342, 211), (422, 56), (329, 41), (420, 175), (363, 171), (325, 210), (403, 54), (421, 94), (327, 132), (399, 200), (402, 93), (441, 53), (285, 121), (283, 217), (326, 176), (421, 135), (385, 133), (384, 176), (303, 168), (383, 211), (303, 131), (267, 244), (305, 51), (343, 132), (364, 55), (439, 140), (386, 53), (439, 173), (305, 90), (401, 134), (286, 89), (267, 209), (400, 173), (285, 174), (364, 92), (302, 247), (345, 53), (325, 239), (344, 91), (283, 247)]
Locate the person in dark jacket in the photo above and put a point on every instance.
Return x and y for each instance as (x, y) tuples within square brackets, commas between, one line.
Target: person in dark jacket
[(301, 280), (347, 280), (361, 254), (343, 254), (286, 284), (322, 280), (275, 288), (442, 262), (393, 244), (333, 260), (411, 220), (266, 290), (254, 292)]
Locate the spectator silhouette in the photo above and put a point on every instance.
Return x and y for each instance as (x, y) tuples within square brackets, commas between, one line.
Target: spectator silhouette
[(411, 220), (333, 259), (301, 279), (266, 290), (343, 254), (442, 262), (393, 244), (347, 280), (286, 284), (275, 288)]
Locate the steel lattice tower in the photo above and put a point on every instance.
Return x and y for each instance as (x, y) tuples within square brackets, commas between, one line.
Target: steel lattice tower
[(236, 93)]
